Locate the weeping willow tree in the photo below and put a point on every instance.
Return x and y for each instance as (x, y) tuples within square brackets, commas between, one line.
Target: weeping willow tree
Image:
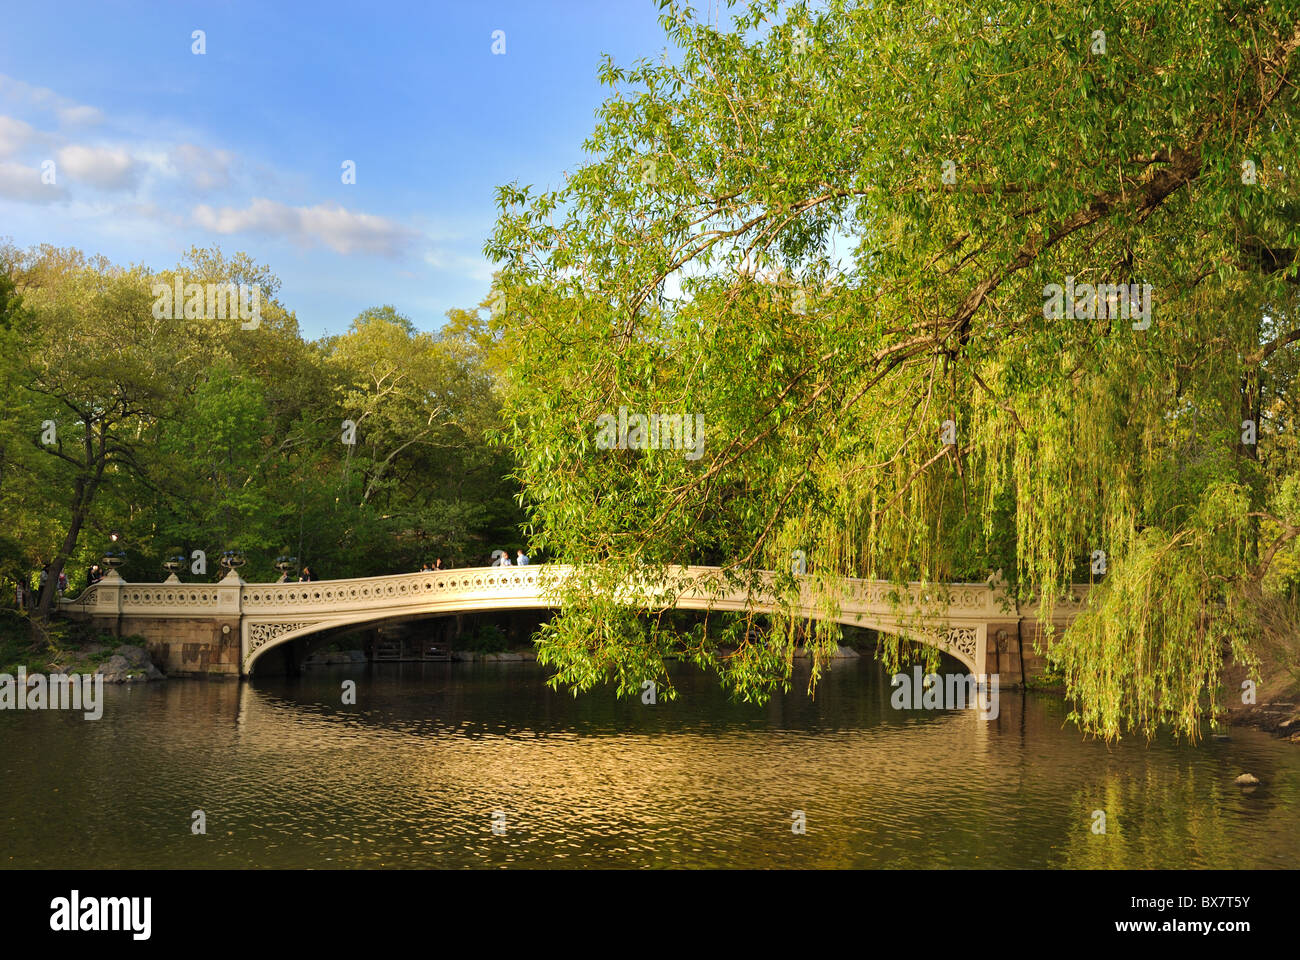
[(990, 286)]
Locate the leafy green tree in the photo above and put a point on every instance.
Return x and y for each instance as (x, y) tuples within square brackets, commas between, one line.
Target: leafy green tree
[(419, 473), (19, 421), (102, 370), (207, 432), (221, 440), (842, 237)]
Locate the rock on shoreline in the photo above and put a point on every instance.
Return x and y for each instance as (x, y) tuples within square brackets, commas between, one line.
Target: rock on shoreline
[(1281, 718), (128, 664)]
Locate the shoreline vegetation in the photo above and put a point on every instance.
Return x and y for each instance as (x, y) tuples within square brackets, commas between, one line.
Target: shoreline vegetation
[(70, 649)]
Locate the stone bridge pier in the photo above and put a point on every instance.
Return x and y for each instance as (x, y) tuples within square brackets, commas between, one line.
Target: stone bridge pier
[(190, 630)]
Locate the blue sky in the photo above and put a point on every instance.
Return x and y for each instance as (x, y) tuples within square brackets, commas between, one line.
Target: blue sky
[(156, 149)]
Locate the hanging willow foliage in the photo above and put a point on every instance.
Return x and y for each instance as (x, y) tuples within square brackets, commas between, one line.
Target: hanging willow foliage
[(833, 237)]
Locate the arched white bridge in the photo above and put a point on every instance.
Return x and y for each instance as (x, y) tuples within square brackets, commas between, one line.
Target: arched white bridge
[(959, 619)]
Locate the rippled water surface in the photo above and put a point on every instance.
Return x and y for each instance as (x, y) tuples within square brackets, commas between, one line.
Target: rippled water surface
[(411, 776)]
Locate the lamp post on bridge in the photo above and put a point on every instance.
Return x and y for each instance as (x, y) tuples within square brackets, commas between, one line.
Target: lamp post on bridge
[(172, 564), (284, 564), (232, 560), (114, 556)]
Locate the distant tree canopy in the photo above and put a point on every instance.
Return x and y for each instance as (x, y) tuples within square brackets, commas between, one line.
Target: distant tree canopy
[(210, 434), (879, 248)]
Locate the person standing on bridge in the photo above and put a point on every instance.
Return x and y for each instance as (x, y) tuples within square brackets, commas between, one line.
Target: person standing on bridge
[(521, 559), (307, 576)]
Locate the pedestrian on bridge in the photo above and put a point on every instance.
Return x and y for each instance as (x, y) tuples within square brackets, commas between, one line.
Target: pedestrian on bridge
[(521, 559)]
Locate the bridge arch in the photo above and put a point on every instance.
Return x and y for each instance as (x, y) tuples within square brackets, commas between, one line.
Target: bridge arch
[(304, 610), (269, 635)]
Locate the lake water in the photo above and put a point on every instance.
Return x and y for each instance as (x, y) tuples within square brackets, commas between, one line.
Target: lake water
[(413, 774)]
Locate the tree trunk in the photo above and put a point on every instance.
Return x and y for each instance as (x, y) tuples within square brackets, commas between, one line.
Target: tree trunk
[(96, 456), (80, 509)]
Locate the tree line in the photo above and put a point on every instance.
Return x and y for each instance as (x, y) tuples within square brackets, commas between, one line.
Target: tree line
[(359, 454)]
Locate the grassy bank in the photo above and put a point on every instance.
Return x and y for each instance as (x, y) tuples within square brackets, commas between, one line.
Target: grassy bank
[(16, 646), (67, 643), (1273, 702)]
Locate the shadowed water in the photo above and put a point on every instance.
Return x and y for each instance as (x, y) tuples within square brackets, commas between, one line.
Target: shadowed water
[(287, 776)]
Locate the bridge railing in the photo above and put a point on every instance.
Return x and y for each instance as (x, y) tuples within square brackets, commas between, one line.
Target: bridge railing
[(398, 589), (694, 586)]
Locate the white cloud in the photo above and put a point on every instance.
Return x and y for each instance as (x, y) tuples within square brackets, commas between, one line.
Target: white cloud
[(158, 181), (110, 168), (21, 183), (17, 90), (69, 111), (14, 134), (204, 169), (338, 228), (80, 116)]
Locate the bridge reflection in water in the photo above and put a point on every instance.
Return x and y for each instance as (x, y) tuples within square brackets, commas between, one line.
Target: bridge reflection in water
[(411, 774)]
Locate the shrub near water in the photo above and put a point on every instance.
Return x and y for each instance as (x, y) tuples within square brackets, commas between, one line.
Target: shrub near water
[(485, 638)]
